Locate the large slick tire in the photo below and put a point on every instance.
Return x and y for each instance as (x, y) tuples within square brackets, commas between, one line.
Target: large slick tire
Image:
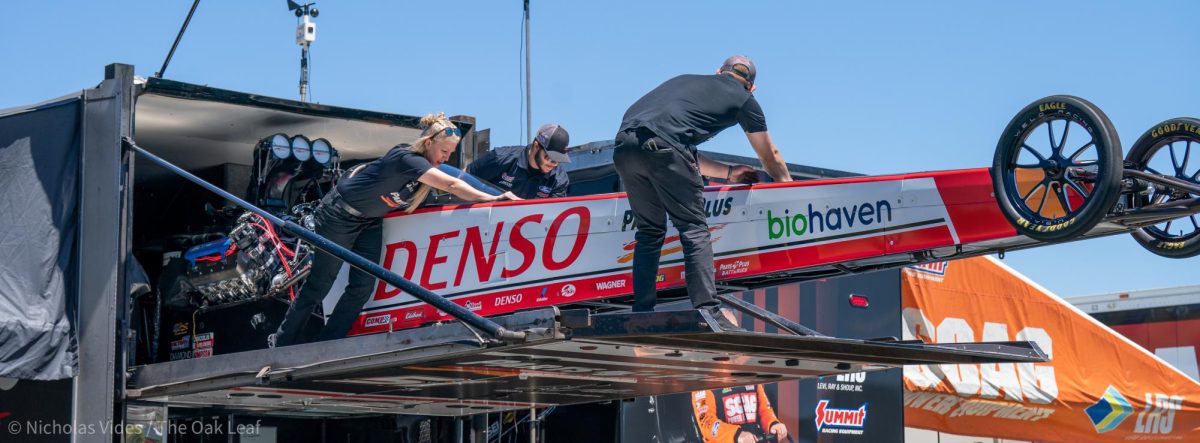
[(1166, 149), (1057, 169)]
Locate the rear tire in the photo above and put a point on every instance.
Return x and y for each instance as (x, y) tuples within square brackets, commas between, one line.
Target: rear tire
[(1160, 148), (1057, 168)]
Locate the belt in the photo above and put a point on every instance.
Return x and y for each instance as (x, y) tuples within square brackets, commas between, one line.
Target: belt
[(647, 139), (335, 199)]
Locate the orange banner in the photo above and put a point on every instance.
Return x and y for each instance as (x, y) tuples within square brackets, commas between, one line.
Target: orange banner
[(1098, 386)]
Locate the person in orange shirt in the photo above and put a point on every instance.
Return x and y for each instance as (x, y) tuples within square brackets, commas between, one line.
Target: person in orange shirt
[(739, 414)]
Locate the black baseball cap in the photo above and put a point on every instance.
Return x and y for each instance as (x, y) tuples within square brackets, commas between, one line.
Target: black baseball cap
[(554, 139), (748, 73)]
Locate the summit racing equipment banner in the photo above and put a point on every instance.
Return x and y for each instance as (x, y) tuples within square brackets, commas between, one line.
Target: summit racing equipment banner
[(1098, 386), (497, 258)]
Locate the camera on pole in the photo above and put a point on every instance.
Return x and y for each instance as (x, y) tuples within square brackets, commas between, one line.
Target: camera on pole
[(306, 34)]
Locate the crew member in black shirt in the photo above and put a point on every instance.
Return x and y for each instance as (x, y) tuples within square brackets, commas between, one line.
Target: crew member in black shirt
[(528, 171), (351, 215), (656, 158)]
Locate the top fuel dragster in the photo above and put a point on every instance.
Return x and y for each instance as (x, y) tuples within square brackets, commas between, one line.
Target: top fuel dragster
[(1057, 175)]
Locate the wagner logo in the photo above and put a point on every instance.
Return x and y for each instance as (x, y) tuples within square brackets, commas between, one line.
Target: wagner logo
[(814, 221), (568, 290), (935, 268), (828, 417), (377, 320), (612, 284), (1109, 411)]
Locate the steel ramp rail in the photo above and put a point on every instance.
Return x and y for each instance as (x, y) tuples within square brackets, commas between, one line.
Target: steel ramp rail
[(571, 357)]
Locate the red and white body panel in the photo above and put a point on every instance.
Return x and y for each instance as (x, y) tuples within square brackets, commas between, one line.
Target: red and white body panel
[(500, 257)]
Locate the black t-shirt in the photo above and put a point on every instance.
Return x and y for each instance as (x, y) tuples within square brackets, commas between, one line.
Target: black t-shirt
[(508, 168), (385, 184), (689, 109)]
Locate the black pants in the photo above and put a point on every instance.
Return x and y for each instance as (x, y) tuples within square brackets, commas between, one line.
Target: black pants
[(363, 235), (661, 181)]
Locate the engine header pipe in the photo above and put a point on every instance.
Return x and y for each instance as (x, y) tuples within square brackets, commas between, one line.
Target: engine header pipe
[(466, 316)]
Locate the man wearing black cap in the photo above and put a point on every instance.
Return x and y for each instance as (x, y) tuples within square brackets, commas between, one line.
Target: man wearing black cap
[(657, 161), (528, 171)]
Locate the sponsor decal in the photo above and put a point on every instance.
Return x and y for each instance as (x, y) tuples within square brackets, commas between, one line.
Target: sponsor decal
[(1019, 382), (716, 428), (180, 328), (814, 221), (840, 421), (741, 407), (733, 267), (1158, 417), (474, 305), (849, 382), (660, 278), (935, 271), (506, 179), (377, 320), (712, 208), (1013, 391), (510, 299), (568, 290), (1109, 411), (935, 268), (523, 252), (203, 346), (543, 194), (181, 344), (542, 295), (671, 245), (544, 189), (611, 284), (414, 315)]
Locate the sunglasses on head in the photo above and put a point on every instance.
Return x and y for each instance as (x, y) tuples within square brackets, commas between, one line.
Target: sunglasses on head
[(449, 130)]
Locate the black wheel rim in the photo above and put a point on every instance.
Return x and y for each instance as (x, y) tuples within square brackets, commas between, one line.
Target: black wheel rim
[(1173, 157), (1050, 172)]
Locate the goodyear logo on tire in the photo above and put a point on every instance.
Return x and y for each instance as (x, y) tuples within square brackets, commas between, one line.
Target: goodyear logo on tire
[(1044, 228)]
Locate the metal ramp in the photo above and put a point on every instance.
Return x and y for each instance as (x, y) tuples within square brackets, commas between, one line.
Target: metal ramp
[(569, 357)]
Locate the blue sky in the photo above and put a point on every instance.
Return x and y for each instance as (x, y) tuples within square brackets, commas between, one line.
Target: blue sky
[(874, 87)]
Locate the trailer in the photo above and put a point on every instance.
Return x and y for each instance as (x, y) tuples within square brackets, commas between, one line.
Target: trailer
[(530, 311)]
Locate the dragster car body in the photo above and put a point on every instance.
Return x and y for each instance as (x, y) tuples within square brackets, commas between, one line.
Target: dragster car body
[(501, 257), (1048, 183)]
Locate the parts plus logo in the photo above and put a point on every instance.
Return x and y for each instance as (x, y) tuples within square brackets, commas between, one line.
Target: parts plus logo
[(840, 421), (1108, 412), (814, 221)]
